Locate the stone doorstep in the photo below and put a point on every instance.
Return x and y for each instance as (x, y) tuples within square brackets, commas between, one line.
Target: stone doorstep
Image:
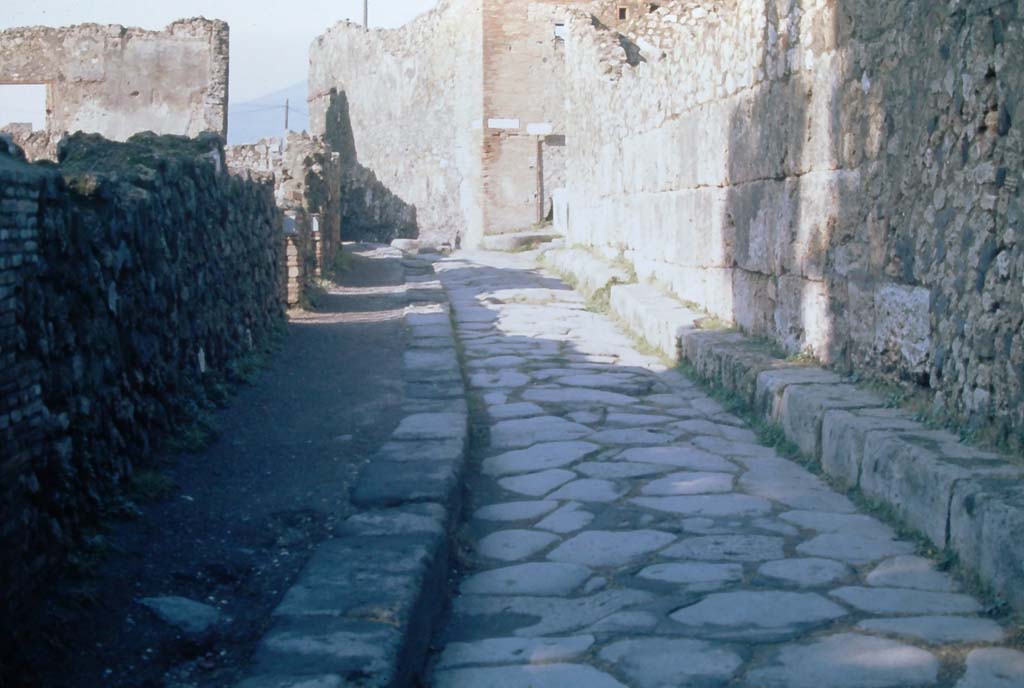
[(363, 609), (961, 498), (516, 240)]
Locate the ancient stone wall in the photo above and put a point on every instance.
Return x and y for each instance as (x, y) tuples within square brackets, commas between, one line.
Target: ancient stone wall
[(400, 106), (118, 81), (842, 176), (129, 275), (308, 188)]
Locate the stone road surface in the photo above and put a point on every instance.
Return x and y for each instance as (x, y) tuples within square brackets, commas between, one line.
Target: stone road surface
[(627, 531)]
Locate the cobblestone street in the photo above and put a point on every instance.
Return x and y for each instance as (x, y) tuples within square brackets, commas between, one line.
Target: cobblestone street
[(624, 529)]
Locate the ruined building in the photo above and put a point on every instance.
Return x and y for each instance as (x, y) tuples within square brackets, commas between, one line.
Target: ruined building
[(118, 81)]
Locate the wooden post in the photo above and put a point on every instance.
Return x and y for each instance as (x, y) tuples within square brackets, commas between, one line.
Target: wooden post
[(366, 15)]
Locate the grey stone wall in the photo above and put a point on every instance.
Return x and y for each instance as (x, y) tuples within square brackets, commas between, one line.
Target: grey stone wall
[(403, 108), (841, 176), (308, 187), (118, 81), (129, 276)]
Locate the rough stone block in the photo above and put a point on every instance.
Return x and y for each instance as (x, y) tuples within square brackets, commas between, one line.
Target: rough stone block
[(803, 407), (384, 484), (915, 473), (659, 319), (772, 384), (985, 524), (842, 438)]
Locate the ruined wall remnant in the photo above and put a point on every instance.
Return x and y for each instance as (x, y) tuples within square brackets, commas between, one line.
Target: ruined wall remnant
[(308, 187), (444, 122), (129, 275), (841, 176), (118, 81), (399, 105)]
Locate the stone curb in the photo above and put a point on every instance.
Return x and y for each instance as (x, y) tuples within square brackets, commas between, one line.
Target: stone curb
[(963, 499), (363, 610)]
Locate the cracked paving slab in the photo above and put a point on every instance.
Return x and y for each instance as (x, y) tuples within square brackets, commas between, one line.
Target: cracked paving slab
[(625, 530)]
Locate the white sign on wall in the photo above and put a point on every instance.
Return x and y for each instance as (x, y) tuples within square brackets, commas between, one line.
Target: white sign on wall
[(496, 123)]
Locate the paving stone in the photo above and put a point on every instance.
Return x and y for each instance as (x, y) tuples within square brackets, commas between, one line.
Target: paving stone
[(538, 457), (689, 483), (807, 572), (521, 410), (514, 545), (524, 432), (938, 630), (906, 601), (626, 621), (753, 614), (911, 572), (530, 676), (610, 548), (503, 379), (589, 490), (549, 615), (587, 417), (993, 667), (774, 525), (632, 420), (577, 395), (618, 469), (670, 663), (515, 651), (830, 522), (567, 519), (537, 484), (679, 457), (535, 578), (853, 547), (848, 660), (727, 548), (190, 616), (707, 505), (495, 398), (625, 436), (693, 572), (431, 426), (498, 362), (737, 450), (412, 518), (787, 483), (515, 511)]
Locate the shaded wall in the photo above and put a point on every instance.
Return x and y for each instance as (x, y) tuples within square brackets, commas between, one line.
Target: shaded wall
[(129, 275), (118, 81), (842, 177), (400, 105)]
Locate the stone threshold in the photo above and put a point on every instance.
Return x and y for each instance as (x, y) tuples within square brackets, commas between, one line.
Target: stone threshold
[(364, 608), (964, 500)]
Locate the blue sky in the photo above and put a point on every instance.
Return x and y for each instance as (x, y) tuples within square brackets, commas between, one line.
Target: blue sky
[(269, 38)]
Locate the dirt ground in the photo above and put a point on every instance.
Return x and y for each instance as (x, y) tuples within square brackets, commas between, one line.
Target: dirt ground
[(243, 515)]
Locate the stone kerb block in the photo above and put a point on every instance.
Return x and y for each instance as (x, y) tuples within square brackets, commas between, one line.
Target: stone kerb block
[(915, 473), (660, 320), (843, 434), (772, 385), (986, 519), (803, 407)]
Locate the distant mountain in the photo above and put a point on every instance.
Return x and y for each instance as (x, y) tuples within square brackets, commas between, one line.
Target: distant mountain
[(263, 117)]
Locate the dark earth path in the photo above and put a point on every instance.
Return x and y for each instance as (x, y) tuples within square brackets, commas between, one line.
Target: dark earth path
[(245, 513)]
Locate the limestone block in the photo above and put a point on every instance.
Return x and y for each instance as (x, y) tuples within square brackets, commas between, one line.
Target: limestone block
[(803, 407), (659, 319), (985, 522), (772, 384), (842, 438), (915, 474), (903, 326)]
